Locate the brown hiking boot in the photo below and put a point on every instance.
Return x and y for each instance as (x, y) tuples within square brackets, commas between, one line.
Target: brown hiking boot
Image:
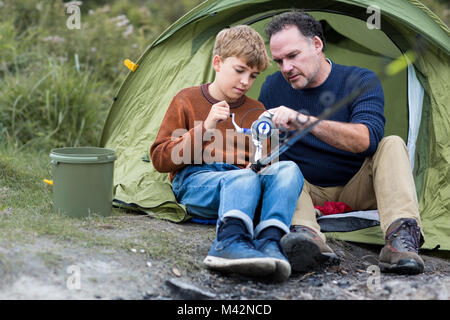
[(400, 254), (306, 250)]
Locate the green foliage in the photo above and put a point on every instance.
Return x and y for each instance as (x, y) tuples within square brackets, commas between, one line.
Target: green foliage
[(57, 84)]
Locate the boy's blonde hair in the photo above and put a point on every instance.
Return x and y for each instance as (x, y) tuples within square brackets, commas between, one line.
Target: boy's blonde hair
[(242, 42)]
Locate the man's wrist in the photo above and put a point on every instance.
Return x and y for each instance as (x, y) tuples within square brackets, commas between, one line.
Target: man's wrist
[(302, 119)]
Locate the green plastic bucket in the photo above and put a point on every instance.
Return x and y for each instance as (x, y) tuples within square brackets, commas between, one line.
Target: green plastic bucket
[(83, 181)]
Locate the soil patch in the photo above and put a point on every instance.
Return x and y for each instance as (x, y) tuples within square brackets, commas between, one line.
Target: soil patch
[(164, 261)]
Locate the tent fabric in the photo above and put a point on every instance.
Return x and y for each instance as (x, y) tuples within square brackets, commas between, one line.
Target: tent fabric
[(181, 57), (415, 102), (350, 221)]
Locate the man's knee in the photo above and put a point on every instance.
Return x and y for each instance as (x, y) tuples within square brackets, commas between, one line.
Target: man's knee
[(392, 142)]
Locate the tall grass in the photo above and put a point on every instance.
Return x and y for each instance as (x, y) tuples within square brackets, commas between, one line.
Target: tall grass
[(57, 84), (52, 104)]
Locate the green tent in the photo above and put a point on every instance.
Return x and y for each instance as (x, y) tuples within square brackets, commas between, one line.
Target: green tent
[(416, 98)]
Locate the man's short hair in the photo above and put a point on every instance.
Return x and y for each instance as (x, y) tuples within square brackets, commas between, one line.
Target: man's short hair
[(242, 42), (305, 23)]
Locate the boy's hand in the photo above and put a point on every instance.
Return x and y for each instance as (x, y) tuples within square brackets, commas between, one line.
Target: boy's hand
[(219, 112)]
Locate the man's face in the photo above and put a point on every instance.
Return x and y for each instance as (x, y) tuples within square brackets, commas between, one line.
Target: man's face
[(297, 57)]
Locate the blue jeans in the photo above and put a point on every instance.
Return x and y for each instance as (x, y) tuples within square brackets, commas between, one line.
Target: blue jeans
[(221, 190)]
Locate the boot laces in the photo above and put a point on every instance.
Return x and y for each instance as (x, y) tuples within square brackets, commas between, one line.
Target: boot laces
[(408, 233)]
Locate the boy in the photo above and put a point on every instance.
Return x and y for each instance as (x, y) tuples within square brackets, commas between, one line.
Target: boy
[(225, 188)]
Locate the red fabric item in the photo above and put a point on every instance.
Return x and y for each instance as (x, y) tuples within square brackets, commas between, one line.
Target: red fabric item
[(330, 207)]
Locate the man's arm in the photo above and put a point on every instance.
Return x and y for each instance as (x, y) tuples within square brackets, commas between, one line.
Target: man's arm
[(365, 126), (351, 137)]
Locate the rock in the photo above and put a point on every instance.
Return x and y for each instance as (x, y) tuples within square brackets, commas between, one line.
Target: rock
[(340, 253), (147, 295), (343, 283), (176, 272), (314, 282), (185, 291)]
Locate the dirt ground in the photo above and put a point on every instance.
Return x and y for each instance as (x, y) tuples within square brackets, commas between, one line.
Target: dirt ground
[(50, 268)]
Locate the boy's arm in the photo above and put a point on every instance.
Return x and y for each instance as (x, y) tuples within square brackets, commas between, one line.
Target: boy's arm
[(173, 147)]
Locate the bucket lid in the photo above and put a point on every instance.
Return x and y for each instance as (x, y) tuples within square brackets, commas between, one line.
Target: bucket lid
[(83, 155)]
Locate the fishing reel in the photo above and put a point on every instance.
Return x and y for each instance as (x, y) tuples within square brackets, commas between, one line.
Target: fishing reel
[(261, 129)]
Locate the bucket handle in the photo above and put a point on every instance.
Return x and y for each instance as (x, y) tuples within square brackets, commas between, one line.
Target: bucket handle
[(49, 182), (62, 158)]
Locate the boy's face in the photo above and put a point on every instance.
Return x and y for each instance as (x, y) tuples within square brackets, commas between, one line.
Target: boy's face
[(233, 77)]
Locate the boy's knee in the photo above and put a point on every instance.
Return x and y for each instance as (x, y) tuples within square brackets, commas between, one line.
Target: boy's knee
[(290, 169), (242, 176)]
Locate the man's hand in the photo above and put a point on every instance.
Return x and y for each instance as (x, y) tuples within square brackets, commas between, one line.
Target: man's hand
[(351, 137), (289, 118), (219, 112)]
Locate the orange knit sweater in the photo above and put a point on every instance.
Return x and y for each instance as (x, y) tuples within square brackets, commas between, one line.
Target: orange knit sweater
[(182, 139)]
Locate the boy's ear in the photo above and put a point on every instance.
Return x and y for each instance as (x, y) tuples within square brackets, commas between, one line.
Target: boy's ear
[(216, 63)]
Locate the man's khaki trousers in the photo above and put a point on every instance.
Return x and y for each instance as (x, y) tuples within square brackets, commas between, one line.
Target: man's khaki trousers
[(384, 182)]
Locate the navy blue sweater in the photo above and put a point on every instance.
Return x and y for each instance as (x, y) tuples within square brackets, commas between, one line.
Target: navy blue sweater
[(320, 163)]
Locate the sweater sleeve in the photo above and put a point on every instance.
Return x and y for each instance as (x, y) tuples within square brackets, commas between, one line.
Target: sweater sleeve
[(174, 145), (368, 109), (266, 93)]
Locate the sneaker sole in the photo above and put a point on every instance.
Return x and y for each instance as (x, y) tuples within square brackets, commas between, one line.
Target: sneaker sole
[(406, 266), (256, 267), (304, 255), (283, 270)]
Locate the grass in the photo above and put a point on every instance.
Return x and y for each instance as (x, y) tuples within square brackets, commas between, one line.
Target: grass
[(51, 259)]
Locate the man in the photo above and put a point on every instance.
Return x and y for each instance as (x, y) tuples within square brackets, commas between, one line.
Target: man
[(345, 158)]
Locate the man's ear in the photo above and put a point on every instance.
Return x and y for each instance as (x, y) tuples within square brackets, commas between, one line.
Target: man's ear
[(317, 43), (217, 60)]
